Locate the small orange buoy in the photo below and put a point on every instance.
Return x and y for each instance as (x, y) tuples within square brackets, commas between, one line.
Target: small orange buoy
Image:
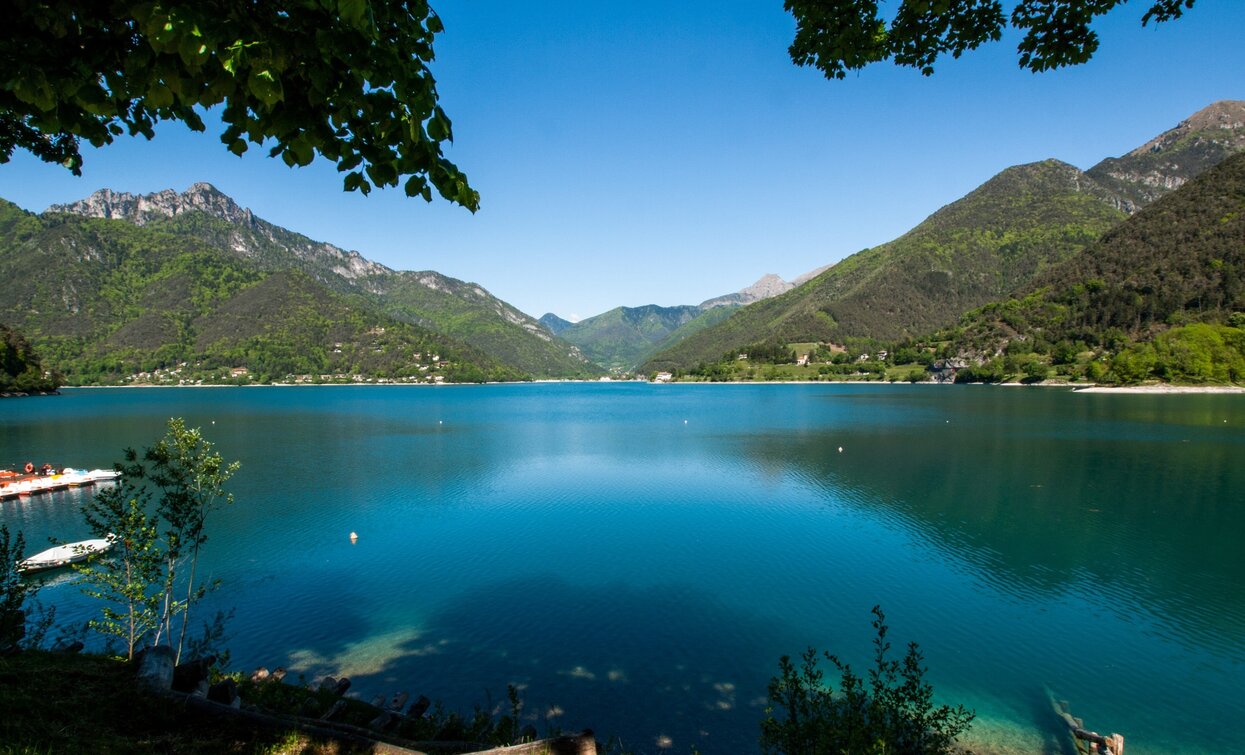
[(354, 537)]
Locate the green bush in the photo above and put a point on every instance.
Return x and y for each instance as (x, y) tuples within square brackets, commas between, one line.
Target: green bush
[(889, 711)]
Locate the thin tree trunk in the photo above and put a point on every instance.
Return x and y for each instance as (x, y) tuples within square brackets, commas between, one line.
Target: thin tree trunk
[(190, 586)]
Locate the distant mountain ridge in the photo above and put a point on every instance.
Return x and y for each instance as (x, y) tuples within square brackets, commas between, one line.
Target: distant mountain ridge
[(1174, 157), (977, 249), (464, 311), (106, 301), (554, 324), (972, 251), (1149, 299), (157, 208), (769, 285), (623, 337)]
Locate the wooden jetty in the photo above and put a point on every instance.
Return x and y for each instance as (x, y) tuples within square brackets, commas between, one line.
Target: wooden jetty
[(1087, 742)]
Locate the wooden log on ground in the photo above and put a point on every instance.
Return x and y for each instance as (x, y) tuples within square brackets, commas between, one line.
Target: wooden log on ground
[(282, 723), (584, 743), (397, 701)]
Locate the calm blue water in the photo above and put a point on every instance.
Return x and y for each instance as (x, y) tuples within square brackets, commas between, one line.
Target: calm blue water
[(637, 557)]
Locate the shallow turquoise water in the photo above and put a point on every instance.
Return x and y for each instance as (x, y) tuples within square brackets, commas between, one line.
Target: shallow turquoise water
[(638, 557)]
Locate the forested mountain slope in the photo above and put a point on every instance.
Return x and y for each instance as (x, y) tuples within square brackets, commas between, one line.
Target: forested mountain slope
[(976, 249), (1179, 261), (624, 337), (105, 299), (464, 311)]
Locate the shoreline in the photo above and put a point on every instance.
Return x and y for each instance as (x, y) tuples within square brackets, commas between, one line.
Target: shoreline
[(1152, 389), (1161, 388)]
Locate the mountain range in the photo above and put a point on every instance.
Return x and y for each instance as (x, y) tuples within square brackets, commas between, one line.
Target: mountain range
[(623, 337), (191, 282), (978, 249), (460, 310), (1153, 294)]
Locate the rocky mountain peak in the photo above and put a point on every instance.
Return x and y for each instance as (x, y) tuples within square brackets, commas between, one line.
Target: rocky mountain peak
[(766, 286), (142, 209), (1175, 156), (1223, 121)]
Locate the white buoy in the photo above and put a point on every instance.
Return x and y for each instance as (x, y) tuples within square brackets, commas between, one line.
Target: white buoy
[(439, 422), (685, 421), (354, 537), (840, 449)]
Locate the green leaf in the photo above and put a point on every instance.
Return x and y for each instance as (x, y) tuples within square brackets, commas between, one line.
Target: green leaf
[(266, 86), (439, 127), (159, 96), (415, 185), (355, 13), (301, 151), (192, 50)]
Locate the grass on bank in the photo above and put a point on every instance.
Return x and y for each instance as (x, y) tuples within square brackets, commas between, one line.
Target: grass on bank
[(58, 703), (61, 703)]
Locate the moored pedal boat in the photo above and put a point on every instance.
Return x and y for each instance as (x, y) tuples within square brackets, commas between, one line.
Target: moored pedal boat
[(63, 555)]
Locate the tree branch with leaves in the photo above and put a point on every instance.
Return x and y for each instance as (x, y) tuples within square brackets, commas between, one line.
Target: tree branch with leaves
[(837, 36), (344, 79)]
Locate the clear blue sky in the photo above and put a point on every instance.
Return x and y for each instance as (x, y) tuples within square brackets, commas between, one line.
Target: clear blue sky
[(666, 152)]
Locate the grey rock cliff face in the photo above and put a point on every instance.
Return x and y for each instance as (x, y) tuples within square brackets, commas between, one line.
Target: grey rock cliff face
[(769, 285), (1176, 156), (252, 232), (141, 209)]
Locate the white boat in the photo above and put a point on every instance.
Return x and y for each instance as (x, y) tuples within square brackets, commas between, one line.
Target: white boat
[(14, 484), (63, 555), (103, 475), (76, 478)]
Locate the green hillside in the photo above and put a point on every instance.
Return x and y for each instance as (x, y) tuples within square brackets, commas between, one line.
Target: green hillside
[(463, 311), (624, 337), (1159, 296), (979, 248), (469, 313), (104, 300), (553, 323)]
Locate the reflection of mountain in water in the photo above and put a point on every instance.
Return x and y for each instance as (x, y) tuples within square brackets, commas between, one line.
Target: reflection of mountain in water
[(1137, 506)]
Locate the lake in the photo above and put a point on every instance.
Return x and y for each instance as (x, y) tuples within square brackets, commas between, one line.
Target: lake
[(637, 557)]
